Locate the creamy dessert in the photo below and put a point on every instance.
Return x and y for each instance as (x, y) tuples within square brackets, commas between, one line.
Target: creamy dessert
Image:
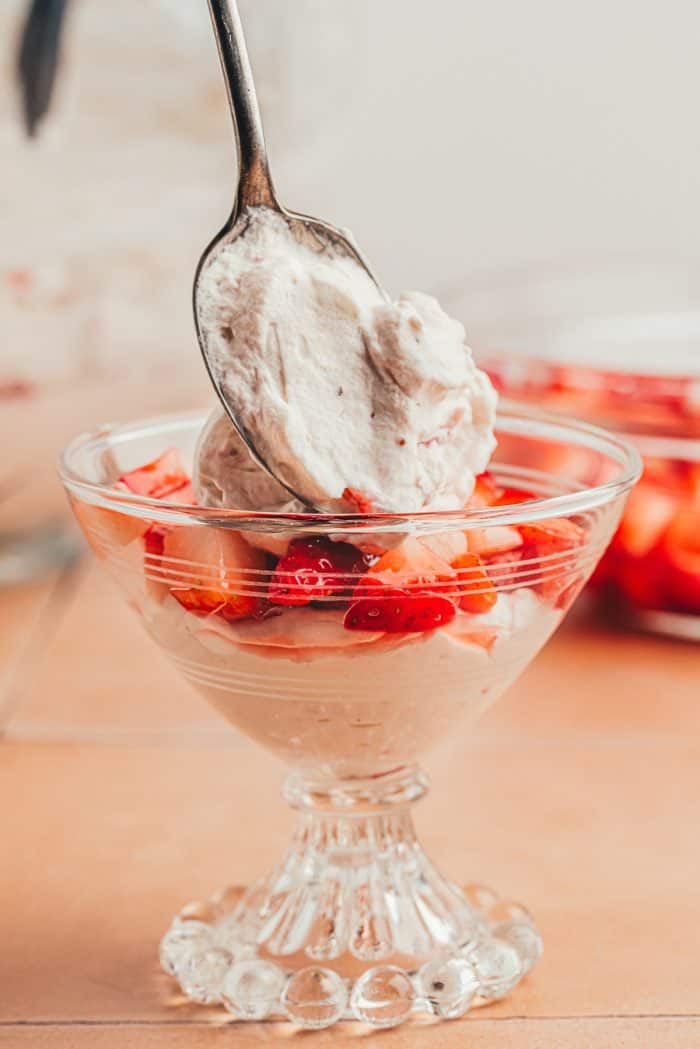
[(351, 399), (344, 648), (343, 658)]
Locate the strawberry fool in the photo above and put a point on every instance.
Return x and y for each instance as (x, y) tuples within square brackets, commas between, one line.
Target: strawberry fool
[(352, 650), (355, 660)]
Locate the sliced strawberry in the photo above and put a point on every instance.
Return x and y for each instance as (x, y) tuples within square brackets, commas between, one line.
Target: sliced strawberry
[(648, 514), (499, 539), (486, 492), (477, 593), (362, 502), (542, 539), (184, 494), (104, 528), (503, 569), (394, 611), (514, 496), (693, 480), (641, 581), (154, 540), (553, 535), (315, 568), (679, 558), (414, 566), (213, 571), (161, 478), (412, 558)]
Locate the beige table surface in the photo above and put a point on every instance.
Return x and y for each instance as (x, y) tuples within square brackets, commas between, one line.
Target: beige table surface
[(123, 797)]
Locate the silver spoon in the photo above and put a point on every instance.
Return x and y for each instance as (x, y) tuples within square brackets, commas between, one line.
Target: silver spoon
[(255, 190)]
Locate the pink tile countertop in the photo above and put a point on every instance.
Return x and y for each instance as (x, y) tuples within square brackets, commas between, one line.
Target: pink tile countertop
[(124, 797)]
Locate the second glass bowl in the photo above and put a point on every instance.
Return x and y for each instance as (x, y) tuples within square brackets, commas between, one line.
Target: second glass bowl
[(617, 344)]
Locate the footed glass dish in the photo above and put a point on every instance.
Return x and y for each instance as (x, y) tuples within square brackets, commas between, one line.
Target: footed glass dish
[(350, 646)]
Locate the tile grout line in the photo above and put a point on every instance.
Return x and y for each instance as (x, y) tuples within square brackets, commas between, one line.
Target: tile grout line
[(53, 609), (597, 1017)]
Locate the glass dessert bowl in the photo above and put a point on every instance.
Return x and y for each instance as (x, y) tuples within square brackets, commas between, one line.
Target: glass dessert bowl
[(350, 646)]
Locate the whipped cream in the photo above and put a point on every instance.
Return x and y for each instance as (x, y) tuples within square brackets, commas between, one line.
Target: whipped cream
[(338, 387), (352, 704)]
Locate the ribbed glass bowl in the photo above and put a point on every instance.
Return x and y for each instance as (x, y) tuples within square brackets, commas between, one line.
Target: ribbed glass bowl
[(350, 646)]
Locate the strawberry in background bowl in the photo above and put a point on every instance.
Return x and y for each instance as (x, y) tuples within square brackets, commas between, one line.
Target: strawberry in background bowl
[(617, 345)]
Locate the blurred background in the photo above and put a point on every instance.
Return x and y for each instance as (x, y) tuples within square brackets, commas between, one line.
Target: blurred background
[(534, 165)]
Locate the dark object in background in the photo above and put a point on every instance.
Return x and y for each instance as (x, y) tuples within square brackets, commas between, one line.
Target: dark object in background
[(38, 58)]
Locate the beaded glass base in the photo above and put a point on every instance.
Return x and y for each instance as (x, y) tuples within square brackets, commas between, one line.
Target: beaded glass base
[(354, 923)]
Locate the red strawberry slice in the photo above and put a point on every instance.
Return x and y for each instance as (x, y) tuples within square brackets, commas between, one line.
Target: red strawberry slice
[(552, 535), (315, 568), (486, 492), (104, 528), (360, 500), (514, 496), (499, 539), (415, 566), (213, 571), (160, 479), (502, 569), (648, 513), (477, 592), (154, 541), (394, 611), (184, 494), (641, 580), (679, 560), (543, 539)]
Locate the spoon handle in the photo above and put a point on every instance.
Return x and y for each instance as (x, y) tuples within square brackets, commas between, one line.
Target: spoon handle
[(255, 185)]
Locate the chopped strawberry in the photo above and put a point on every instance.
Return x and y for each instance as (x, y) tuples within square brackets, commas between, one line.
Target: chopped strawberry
[(166, 476), (649, 512), (693, 480), (553, 535), (503, 569), (213, 571), (362, 502), (477, 592), (154, 540), (315, 568), (184, 494), (393, 611), (514, 496), (542, 540), (679, 558), (640, 580), (499, 539), (486, 492), (104, 528), (412, 558), (414, 566)]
